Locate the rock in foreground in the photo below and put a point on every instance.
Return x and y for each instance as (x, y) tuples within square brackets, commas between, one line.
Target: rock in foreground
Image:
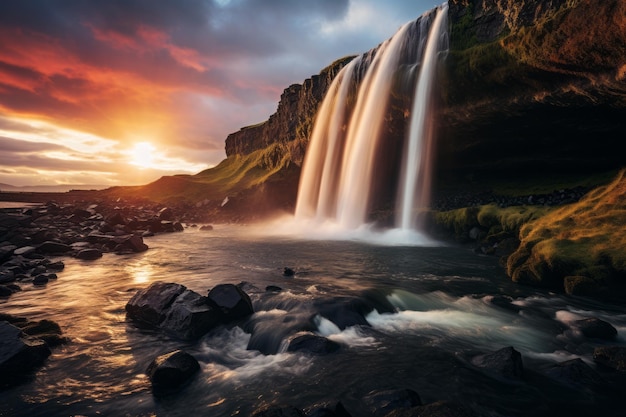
[(185, 313), (169, 372)]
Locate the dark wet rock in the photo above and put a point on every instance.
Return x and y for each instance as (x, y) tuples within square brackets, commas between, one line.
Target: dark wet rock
[(436, 409), (6, 252), (170, 372), (273, 288), (5, 291), (281, 411), (24, 250), (288, 272), (150, 305), (344, 312), (132, 243), (381, 403), (611, 356), (190, 316), (7, 276), (19, 354), (575, 373), (596, 329), (310, 343), (41, 279), (206, 227), (115, 218), (56, 266), (504, 302), (230, 301), (89, 254), (53, 248), (506, 362), (166, 213)]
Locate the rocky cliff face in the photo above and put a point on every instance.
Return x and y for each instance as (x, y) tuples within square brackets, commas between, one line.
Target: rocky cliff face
[(293, 120), (533, 88)]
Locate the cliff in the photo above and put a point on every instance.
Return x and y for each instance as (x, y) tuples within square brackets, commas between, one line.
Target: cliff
[(293, 121), (533, 88)]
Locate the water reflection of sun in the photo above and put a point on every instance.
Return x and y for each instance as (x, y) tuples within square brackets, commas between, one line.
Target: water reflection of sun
[(140, 273)]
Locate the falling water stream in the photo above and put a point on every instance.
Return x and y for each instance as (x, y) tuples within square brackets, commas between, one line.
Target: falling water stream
[(339, 168)]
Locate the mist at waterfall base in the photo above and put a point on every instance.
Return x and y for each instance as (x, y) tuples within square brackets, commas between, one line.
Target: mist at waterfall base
[(405, 317)]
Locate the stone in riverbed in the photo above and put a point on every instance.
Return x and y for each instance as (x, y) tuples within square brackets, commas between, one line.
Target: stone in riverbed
[(50, 247), (381, 403), (310, 343), (611, 356), (89, 254), (575, 373), (230, 301), (19, 354), (150, 305), (596, 329), (189, 316), (506, 362), (169, 372)]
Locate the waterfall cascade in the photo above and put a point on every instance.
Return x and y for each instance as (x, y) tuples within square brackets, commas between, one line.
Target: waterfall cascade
[(351, 164)]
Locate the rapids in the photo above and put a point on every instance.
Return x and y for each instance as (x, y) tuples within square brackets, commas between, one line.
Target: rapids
[(435, 308)]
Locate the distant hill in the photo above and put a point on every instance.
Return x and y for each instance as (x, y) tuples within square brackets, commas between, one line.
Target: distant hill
[(50, 188)]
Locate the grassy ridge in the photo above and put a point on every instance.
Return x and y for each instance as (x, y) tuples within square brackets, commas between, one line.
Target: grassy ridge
[(235, 174)]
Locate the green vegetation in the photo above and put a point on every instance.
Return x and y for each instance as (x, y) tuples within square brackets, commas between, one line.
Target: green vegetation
[(489, 217), (583, 241), (233, 175)]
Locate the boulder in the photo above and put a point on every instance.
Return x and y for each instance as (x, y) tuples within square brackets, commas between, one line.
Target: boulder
[(288, 272), (230, 301), (56, 266), (50, 247), (381, 403), (314, 344), (131, 243), (206, 227), (151, 305), (89, 254), (190, 316), (5, 291), (166, 213), (596, 329), (611, 356), (575, 373), (7, 276), (506, 362), (19, 354), (115, 218), (41, 279), (169, 372)]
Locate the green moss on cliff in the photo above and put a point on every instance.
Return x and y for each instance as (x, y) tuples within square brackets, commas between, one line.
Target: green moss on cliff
[(584, 239)]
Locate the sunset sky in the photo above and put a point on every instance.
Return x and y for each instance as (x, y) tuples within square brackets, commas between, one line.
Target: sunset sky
[(124, 91)]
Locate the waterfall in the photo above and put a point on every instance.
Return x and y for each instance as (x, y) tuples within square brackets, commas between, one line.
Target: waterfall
[(345, 157)]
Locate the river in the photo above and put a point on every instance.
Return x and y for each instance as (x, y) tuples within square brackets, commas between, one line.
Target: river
[(443, 297)]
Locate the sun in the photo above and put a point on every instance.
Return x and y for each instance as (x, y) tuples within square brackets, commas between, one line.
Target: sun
[(142, 154)]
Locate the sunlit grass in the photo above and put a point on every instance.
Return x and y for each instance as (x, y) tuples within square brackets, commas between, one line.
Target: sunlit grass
[(582, 239)]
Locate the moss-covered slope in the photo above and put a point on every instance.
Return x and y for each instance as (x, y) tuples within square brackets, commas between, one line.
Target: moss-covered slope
[(580, 247)]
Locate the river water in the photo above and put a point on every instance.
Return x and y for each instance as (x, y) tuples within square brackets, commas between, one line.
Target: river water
[(443, 314)]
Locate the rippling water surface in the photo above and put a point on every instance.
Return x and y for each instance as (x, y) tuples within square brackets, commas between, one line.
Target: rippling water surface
[(442, 315)]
